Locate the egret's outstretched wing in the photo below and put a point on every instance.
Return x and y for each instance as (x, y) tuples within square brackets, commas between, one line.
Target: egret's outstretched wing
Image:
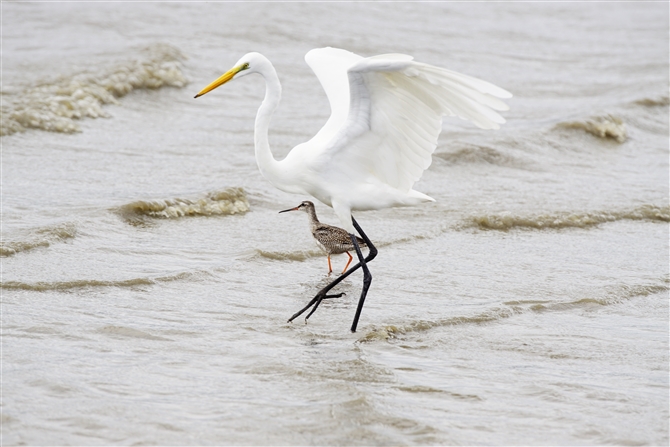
[(394, 116), (330, 65)]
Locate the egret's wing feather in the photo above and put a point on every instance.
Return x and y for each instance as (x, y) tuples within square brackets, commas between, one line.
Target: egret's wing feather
[(330, 65), (395, 116)]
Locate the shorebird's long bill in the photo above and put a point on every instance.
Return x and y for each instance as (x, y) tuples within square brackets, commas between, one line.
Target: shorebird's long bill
[(290, 209), (227, 76)]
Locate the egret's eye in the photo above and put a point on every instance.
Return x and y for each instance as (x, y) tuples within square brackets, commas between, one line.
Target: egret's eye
[(245, 66)]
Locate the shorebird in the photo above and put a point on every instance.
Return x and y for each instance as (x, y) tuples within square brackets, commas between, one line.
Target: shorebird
[(332, 240), (386, 116)]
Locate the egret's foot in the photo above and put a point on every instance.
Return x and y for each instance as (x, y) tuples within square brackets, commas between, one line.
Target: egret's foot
[(315, 302), (316, 305), (338, 295)]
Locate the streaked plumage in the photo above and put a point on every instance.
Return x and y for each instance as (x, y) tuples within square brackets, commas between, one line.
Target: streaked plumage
[(332, 240)]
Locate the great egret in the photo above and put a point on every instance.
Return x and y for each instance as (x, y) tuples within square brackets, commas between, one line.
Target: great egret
[(386, 116), (332, 240)]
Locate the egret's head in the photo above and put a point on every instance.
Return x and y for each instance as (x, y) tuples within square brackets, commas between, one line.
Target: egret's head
[(304, 206), (249, 63)]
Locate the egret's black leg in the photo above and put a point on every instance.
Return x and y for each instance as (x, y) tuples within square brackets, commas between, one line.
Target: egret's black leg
[(323, 293), (367, 276)]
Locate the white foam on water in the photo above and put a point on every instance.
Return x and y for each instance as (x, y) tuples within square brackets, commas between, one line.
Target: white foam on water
[(606, 127), (57, 105), (226, 202)]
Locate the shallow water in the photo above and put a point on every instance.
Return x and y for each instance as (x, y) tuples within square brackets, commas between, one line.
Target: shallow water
[(147, 277)]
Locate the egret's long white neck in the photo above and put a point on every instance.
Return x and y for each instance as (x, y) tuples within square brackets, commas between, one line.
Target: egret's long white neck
[(269, 167)]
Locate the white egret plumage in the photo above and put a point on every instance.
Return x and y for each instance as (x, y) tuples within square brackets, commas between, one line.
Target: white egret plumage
[(386, 116)]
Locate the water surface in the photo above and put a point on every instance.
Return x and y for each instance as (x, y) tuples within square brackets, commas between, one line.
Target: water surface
[(147, 276)]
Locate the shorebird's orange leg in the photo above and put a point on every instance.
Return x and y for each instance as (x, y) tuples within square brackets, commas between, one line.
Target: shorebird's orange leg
[(330, 267), (348, 262)]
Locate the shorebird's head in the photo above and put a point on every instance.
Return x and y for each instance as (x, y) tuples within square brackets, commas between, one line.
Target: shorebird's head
[(305, 206)]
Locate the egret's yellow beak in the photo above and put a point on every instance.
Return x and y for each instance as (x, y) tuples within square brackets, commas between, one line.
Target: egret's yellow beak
[(227, 76)]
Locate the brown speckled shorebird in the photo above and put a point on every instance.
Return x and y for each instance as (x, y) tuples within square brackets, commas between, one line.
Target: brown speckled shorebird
[(332, 240)]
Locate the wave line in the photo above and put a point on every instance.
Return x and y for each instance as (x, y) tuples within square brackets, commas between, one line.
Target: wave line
[(40, 237), (507, 221)]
